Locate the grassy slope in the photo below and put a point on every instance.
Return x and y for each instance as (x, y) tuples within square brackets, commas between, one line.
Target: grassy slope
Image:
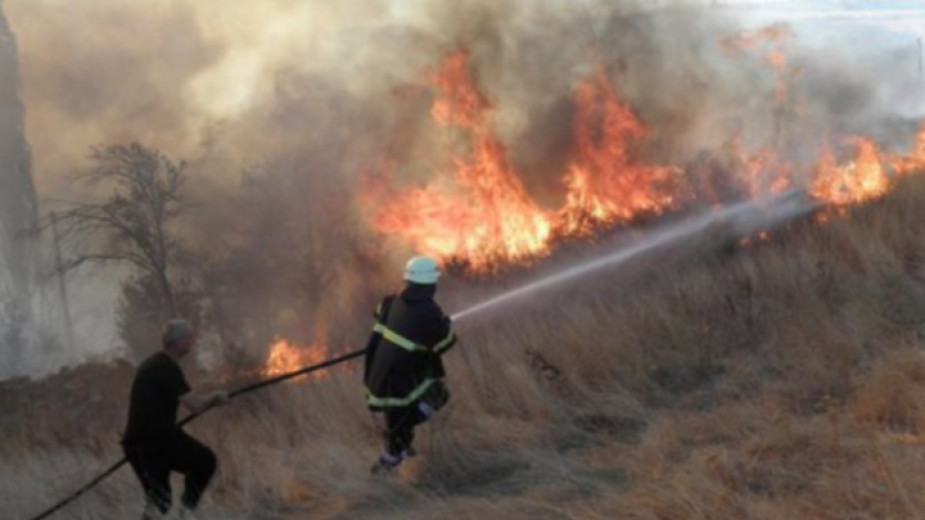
[(784, 380)]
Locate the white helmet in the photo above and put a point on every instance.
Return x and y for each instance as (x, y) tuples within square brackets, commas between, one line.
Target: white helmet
[(422, 269)]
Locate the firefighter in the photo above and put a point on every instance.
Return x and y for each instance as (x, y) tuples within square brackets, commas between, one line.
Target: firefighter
[(153, 443), (404, 370)]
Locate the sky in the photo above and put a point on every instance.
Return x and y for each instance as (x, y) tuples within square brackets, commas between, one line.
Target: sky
[(897, 25), (896, 18)]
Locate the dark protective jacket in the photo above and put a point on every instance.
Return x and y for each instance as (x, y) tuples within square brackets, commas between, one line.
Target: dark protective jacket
[(153, 403), (403, 353)]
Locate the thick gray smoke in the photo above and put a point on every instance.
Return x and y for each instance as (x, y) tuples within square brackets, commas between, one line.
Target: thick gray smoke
[(281, 107), (229, 84), (18, 211)]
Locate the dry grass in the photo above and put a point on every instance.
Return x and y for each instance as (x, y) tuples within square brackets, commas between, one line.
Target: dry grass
[(786, 380)]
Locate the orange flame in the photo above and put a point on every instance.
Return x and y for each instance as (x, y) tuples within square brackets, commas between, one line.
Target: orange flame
[(462, 104), (861, 179), (916, 161), (285, 357), (603, 184), (919, 149), (771, 38), (486, 215), (479, 213), (483, 215), (762, 173), (749, 40)]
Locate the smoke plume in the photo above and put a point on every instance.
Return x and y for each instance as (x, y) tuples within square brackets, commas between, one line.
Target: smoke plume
[(18, 211), (316, 95)]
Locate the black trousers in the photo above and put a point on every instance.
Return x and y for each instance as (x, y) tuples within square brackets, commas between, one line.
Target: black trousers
[(400, 423), (152, 464)]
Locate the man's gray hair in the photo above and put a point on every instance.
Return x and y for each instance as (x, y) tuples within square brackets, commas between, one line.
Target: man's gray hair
[(176, 331)]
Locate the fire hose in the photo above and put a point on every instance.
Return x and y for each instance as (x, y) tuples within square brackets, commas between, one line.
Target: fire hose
[(234, 393)]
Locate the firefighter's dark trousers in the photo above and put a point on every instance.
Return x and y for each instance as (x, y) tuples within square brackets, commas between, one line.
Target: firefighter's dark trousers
[(182, 453), (400, 423)]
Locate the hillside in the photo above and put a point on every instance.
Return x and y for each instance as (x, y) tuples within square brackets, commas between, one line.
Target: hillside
[(780, 379)]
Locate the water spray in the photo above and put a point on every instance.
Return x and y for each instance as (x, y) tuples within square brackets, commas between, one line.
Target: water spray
[(743, 218)]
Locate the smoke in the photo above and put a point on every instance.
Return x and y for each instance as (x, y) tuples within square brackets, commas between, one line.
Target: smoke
[(17, 193), (17, 213), (314, 95), (227, 84)]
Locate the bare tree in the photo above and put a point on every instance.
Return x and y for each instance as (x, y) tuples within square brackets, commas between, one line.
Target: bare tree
[(131, 225)]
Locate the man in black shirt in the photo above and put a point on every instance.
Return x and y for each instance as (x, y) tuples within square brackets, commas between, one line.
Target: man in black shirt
[(154, 445), (404, 370)]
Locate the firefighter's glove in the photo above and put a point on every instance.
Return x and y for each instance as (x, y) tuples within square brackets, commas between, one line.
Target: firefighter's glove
[(426, 410)]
